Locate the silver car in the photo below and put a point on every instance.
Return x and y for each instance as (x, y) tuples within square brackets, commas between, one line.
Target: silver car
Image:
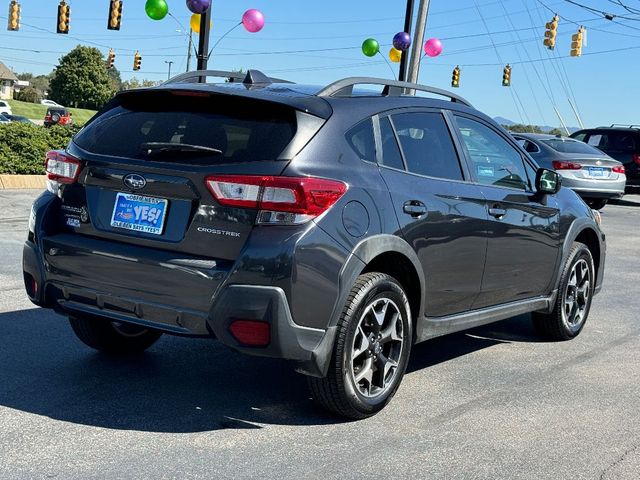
[(591, 173)]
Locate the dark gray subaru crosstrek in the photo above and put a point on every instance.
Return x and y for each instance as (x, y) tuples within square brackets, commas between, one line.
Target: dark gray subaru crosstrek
[(332, 227)]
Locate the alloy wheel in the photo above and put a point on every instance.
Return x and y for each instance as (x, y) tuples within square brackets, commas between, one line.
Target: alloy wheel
[(576, 295)]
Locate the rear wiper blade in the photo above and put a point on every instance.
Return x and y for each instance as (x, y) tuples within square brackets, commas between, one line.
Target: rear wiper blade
[(160, 147)]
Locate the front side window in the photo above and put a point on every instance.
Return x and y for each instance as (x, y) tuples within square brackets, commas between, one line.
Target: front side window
[(427, 145), (495, 162)]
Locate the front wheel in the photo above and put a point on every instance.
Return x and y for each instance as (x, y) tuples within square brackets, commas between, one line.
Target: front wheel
[(573, 301), (113, 337), (371, 350)]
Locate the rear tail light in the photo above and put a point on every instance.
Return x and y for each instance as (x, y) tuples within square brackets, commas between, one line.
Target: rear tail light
[(281, 200), (618, 169), (251, 333), (562, 165), (636, 158), (61, 167)]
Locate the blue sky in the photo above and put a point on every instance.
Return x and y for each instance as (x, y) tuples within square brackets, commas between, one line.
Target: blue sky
[(318, 42)]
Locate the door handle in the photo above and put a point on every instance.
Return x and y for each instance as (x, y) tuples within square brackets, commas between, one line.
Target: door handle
[(415, 208), (496, 211)]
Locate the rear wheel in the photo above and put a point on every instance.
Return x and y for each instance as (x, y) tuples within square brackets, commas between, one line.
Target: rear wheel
[(113, 337), (597, 203), (573, 301), (371, 350)]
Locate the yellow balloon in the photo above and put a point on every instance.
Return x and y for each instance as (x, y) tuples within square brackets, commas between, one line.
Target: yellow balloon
[(195, 23), (395, 55)]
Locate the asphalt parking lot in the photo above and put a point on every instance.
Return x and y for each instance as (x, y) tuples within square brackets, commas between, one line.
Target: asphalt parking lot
[(494, 402)]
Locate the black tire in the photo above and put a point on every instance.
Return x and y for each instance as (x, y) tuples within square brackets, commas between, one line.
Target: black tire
[(113, 337), (561, 324), (597, 203), (339, 392), (55, 118)]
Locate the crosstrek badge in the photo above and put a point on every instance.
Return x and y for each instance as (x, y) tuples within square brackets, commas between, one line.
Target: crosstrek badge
[(139, 213)]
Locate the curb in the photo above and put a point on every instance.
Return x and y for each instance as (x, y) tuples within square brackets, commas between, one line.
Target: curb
[(23, 182)]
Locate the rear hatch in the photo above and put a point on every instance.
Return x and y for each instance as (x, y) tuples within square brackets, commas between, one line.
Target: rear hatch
[(145, 160)]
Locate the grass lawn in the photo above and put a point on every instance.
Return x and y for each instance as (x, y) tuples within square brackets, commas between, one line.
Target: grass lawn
[(35, 111)]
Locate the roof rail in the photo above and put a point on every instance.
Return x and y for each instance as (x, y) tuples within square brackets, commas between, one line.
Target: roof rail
[(345, 86), (252, 77), (623, 125)]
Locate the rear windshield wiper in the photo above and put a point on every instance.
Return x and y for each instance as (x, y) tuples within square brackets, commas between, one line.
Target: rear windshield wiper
[(161, 147)]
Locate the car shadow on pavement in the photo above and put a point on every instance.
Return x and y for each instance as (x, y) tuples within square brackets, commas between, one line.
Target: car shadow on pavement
[(179, 385), (627, 201)]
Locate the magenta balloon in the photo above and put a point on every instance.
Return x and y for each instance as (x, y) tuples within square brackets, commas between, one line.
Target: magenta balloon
[(433, 47), (253, 20)]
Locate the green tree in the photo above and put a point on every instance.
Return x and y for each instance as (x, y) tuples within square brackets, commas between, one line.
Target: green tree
[(81, 79), (114, 76), (557, 131), (133, 82), (29, 94), (519, 128)]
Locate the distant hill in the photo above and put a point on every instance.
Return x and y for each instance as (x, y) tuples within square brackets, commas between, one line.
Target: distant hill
[(544, 128)]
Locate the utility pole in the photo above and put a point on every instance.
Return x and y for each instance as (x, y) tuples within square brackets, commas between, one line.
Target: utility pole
[(170, 63), (416, 50), (189, 50), (408, 20), (203, 41)]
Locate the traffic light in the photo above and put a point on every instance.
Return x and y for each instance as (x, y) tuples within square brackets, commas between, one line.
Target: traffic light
[(115, 15), (111, 58), (13, 22), (455, 77), (64, 16), (137, 60), (576, 42), (551, 33), (506, 76)]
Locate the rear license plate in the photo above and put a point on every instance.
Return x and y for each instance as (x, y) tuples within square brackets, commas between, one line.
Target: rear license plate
[(597, 172), (139, 213)]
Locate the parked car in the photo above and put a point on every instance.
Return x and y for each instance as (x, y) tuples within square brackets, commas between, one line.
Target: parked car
[(18, 118), (334, 227), (49, 103), (4, 119), (5, 107), (57, 116), (619, 142), (593, 174)]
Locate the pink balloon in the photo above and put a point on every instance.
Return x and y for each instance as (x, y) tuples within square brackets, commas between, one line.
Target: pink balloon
[(433, 47), (253, 20)]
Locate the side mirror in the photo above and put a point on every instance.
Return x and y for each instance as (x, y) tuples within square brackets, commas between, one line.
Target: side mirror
[(548, 181)]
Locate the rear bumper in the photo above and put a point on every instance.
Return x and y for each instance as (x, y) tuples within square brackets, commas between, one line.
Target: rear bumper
[(589, 188), (184, 299)]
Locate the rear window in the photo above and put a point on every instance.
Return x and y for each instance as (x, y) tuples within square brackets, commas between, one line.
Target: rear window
[(571, 146), (241, 129), (623, 142)]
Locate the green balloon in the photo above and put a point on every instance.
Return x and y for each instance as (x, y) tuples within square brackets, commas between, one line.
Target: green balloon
[(370, 47), (156, 9)]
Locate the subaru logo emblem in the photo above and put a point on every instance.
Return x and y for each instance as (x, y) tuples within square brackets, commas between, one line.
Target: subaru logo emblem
[(134, 181)]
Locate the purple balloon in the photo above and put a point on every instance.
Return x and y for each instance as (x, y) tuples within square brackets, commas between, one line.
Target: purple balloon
[(402, 41), (253, 20), (433, 47), (198, 6)]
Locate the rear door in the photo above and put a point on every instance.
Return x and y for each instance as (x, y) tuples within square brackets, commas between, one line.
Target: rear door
[(442, 216), (146, 162), (523, 237)]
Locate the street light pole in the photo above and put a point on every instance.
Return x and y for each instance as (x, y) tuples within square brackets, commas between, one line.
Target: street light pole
[(416, 50), (189, 50), (408, 20), (203, 41), (170, 63)]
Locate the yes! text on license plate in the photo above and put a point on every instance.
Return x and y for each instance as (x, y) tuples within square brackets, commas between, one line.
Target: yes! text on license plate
[(139, 213)]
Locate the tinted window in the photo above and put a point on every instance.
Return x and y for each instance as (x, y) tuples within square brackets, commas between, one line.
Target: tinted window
[(579, 136), (571, 146), (495, 161), (390, 152), (244, 130), (622, 142), (527, 145), (427, 145), (361, 140)]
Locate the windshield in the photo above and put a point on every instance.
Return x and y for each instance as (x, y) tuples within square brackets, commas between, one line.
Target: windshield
[(229, 129), (571, 146)]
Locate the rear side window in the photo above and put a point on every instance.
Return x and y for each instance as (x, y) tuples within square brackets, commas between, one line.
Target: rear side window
[(362, 141), (621, 142), (427, 145), (242, 129)]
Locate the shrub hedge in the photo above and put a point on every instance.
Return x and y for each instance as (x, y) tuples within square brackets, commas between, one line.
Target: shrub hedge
[(23, 146)]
